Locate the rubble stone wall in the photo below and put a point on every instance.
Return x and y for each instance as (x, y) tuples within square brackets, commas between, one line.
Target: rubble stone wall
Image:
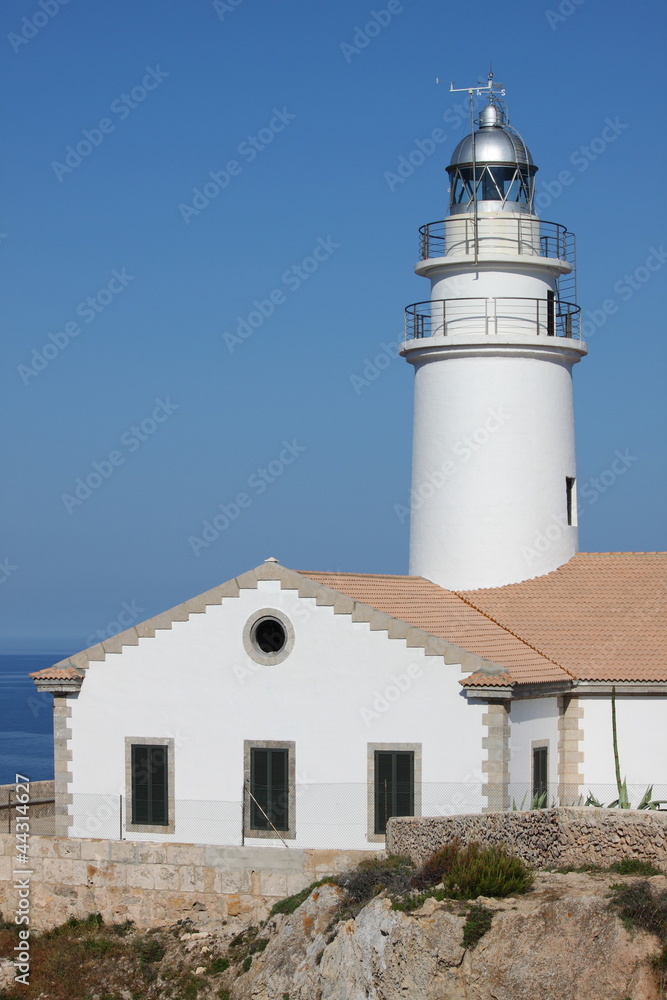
[(558, 837)]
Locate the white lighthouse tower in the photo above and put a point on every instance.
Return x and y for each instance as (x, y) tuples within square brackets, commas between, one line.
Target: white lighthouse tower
[(493, 496)]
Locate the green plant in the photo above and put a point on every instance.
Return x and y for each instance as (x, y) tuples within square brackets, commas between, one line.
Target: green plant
[(639, 904), (150, 949), (486, 871), (120, 930), (292, 903), (415, 900), (224, 994), (218, 965), (439, 864), (635, 866), (246, 963), (394, 873), (478, 922)]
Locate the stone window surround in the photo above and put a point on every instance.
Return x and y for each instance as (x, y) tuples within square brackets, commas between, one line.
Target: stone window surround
[(537, 745), (150, 741), (290, 746), (416, 749), (253, 651)]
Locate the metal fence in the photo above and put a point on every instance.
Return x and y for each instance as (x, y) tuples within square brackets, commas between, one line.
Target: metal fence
[(326, 816), (498, 316), (515, 234)]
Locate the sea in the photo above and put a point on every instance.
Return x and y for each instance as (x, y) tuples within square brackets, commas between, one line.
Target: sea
[(26, 717)]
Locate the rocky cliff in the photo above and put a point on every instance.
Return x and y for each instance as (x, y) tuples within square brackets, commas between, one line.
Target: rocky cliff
[(561, 940)]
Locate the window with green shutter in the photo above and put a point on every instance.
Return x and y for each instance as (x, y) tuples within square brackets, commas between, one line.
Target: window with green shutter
[(150, 785), (269, 789), (540, 776), (394, 786)]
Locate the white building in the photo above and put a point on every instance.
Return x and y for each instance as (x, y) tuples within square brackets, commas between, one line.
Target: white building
[(308, 707)]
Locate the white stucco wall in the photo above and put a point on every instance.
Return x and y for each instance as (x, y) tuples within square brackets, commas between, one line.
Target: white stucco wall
[(332, 695), (532, 720), (642, 746)]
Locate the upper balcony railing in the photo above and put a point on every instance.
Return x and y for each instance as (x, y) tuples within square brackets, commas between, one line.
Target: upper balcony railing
[(499, 316), (525, 235)]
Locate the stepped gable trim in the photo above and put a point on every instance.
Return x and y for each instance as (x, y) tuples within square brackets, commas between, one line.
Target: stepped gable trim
[(289, 579)]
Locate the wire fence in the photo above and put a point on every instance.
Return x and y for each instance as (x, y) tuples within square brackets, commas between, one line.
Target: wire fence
[(327, 816)]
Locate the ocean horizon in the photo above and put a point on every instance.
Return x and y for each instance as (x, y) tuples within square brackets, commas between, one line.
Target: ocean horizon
[(26, 734)]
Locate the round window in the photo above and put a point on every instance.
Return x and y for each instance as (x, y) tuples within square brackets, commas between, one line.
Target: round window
[(270, 635)]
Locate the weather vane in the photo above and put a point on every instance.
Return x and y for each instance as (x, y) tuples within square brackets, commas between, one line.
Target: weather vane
[(491, 88)]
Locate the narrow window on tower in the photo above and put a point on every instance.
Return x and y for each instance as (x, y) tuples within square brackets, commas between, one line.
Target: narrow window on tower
[(571, 499)]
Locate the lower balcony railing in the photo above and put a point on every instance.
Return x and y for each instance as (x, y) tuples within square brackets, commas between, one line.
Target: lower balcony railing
[(499, 316)]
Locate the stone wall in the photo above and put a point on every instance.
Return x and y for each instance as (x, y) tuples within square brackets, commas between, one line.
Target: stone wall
[(42, 814), (542, 837), (157, 884)]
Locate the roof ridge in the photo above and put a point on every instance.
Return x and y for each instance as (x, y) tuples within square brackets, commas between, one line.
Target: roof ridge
[(515, 634), (337, 572), (621, 552)]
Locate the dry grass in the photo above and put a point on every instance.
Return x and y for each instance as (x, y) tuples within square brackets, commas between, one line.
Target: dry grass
[(83, 959)]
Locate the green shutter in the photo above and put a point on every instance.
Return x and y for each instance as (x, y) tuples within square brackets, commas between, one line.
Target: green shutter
[(394, 786), (150, 789), (540, 776), (269, 787)]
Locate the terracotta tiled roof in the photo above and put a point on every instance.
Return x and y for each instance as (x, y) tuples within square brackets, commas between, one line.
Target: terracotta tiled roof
[(601, 616), (443, 613), (57, 673), (479, 679)]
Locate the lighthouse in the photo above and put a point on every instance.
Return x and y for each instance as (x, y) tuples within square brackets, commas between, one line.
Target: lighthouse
[(493, 497)]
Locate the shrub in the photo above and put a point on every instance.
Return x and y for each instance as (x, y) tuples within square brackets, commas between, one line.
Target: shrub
[(439, 864), (486, 871), (639, 904), (478, 922), (218, 965), (150, 949), (634, 866), (394, 873), (292, 903)]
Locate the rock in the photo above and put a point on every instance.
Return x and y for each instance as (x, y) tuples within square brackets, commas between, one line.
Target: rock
[(560, 940)]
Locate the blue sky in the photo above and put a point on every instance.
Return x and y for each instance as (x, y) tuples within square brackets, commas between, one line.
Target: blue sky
[(139, 289)]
